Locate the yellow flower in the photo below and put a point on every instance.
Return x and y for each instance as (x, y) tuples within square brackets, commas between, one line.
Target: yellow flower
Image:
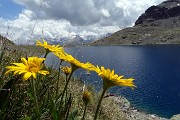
[(66, 70), (75, 63), (110, 79), (50, 48), (29, 67)]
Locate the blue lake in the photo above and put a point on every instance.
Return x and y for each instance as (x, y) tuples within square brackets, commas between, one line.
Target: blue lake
[(156, 70)]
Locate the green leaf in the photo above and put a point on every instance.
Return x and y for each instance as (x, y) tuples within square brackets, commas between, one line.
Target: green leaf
[(4, 93), (73, 115), (26, 118)]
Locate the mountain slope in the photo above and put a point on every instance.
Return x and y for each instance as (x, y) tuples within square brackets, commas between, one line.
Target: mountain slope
[(158, 25), (5, 41)]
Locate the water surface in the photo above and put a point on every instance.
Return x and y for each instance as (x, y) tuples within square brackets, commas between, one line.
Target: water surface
[(156, 70)]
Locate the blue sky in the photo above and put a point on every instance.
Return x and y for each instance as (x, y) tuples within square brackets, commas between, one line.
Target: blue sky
[(64, 18), (9, 9)]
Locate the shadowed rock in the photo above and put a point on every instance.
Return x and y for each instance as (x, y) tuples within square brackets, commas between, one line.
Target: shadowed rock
[(165, 10)]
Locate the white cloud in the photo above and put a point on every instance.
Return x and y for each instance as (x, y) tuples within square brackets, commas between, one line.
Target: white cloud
[(88, 12), (24, 30), (61, 18), (105, 13)]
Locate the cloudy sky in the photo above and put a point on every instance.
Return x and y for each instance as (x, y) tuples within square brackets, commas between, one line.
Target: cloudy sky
[(25, 20)]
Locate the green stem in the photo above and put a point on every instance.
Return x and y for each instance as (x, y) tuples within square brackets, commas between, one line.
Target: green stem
[(97, 109), (57, 87), (47, 51), (65, 87), (84, 112), (35, 98)]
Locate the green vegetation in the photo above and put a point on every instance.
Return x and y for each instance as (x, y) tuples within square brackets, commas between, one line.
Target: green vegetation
[(30, 90)]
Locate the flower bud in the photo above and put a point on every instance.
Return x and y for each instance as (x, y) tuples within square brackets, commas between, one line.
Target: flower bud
[(86, 97)]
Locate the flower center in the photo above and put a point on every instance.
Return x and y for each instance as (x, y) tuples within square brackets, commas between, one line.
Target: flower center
[(34, 69)]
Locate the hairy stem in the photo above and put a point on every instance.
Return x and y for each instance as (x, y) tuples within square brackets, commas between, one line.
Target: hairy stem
[(99, 104), (35, 98), (84, 112)]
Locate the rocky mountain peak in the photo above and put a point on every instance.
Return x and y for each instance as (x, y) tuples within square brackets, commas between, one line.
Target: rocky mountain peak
[(165, 10)]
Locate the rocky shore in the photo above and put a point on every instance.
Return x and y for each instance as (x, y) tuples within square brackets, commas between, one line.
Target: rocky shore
[(133, 114)]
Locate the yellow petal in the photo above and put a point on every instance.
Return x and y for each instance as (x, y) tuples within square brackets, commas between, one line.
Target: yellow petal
[(43, 72), (27, 75)]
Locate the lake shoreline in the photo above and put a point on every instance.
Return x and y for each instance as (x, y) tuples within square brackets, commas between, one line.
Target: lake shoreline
[(131, 45), (132, 113)]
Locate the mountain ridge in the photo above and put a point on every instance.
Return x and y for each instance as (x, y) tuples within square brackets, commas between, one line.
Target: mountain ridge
[(159, 24), (5, 41), (75, 40)]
